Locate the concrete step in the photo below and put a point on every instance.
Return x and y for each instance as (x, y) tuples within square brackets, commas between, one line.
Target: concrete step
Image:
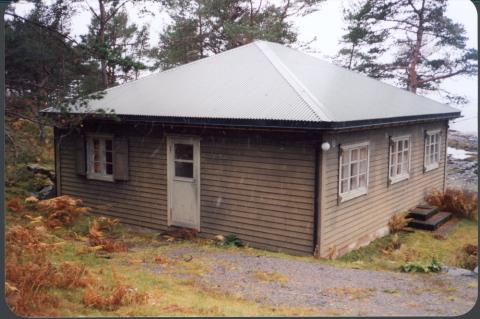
[(432, 223), (422, 212)]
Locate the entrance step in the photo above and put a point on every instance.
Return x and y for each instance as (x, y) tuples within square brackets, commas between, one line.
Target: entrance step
[(432, 222), (422, 212)]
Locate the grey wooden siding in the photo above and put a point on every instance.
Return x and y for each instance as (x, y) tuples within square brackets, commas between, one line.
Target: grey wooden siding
[(142, 200), (260, 190), (344, 223)]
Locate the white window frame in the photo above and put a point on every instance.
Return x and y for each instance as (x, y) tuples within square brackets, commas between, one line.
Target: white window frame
[(344, 149), (103, 176), (393, 153), (433, 165)]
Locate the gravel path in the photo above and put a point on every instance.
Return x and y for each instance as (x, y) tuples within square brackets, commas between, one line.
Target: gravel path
[(333, 290)]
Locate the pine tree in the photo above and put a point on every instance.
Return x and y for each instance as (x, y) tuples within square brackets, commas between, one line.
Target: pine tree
[(426, 46), (109, 27), (204, 27), (124, 47)]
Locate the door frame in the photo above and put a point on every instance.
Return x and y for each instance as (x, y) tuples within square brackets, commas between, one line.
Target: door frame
[(187, 139)]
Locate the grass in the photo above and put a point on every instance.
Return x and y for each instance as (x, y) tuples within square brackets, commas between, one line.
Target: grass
[(267, 276), (419, 246), (169, 282), (172, 282)]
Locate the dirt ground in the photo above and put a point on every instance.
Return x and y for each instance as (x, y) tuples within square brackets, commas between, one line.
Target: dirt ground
[(332, 290)]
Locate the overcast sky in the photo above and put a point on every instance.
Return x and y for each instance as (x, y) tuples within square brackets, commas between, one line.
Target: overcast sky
[(326, 26)]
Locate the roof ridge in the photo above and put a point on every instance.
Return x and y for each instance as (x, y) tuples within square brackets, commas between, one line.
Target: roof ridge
[(303, 92)]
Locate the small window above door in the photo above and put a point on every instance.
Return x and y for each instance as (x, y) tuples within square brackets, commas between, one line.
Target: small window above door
[(183, 160)]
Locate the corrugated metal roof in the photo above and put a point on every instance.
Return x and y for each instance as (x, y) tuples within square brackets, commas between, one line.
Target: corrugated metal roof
[(265, 81)]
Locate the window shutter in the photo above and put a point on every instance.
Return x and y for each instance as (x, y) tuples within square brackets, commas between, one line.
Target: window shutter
[(80, 155), (120, 158), (425, 136), (340, 158), (391, 144)]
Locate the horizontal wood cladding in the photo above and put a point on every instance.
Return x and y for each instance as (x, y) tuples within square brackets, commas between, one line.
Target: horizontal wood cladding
[(345, 223), (258, 186), (260, 190), (141, 201)]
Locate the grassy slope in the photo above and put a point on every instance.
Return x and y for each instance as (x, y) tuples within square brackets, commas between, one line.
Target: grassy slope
[(419, 246), (173, 288)]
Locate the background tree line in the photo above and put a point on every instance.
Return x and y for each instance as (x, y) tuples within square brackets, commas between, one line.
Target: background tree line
[(410, 43)]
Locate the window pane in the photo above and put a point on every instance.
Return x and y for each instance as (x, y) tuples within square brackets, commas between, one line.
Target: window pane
[(108, 145), (344, 186), (183, 169), (108, 157), (96, 167), (109, 169), (363, 153), (353, 182), (354, 155), (362, 180), (344, 171), (405, 168), (96, 150), (400, 146), (405, 144), (354, 169), (392, 171), (184, 151), (363, 167)]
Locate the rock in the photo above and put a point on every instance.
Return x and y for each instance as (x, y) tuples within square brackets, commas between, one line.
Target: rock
[(219, 238), (454, 271), (36, 168), (47, 192), (31, 199), (187, 258)]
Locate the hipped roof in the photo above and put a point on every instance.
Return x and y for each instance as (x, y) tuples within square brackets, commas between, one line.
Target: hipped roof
[(267, 83)]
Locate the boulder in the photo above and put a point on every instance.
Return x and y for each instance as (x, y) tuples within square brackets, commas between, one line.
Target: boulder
[(38, 169), (455, 271), (47, 192)]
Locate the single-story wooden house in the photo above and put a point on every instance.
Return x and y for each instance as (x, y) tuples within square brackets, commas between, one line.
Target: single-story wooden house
[(286, 151)]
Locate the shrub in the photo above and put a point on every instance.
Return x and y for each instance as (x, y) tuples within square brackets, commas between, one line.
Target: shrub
[(434, 266), (468, 257), (233, 240), (461, 203), (62, 210), (120, 295), (29, 274), (398, 222)]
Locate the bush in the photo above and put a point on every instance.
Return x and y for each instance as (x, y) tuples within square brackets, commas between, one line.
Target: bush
[(233, 240), (434, 266), (468, 257), (461, 203), (398, 222)]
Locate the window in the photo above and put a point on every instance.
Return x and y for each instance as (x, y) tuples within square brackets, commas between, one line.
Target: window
[(100, 158), (432, 150), (183, 160), (399, 158), (353, 171)]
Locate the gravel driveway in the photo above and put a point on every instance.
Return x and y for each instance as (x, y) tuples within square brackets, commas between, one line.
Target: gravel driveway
[(332, 290)]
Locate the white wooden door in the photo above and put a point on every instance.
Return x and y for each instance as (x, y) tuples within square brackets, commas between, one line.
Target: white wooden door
[(183, 174)]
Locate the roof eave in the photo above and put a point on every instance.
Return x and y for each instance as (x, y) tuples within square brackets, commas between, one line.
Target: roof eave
[(282, 124)]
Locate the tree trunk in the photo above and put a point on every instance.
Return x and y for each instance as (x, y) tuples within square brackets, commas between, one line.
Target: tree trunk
[(101, 41), (351, 57), (412, 68)]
